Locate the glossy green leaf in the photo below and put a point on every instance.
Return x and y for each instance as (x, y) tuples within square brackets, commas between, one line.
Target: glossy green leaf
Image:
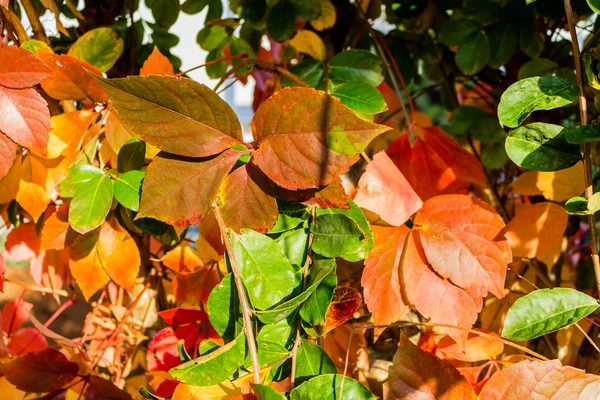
[(503, 39), (583, 134), (224, 310), (455, 30), (537, 67), (267, 274), (311, 361), (532, 94), (361, 97), (131, 155), (577, 206), (212, 37), (310, 71), (91, 203), (294, 245), (290, 216), (128, 187), (328, 387), (463, 118), (336, 235), (214, 367), (77, 177), (541, 147), (313, 311), (281, 21), (546, 310), (356, 65), (100, 47), (473, 53), (264, 392)]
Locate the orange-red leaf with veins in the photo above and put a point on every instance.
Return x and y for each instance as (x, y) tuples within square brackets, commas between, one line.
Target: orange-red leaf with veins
[(383, 190), (156, 64), (381, 279), (25, 118), (19, 68), (246, 200), (180, 190), (118, 254), (344, 303), (463, 240), (26, 340), (85, 264), (477, 348), (182, 258), (435, 164), (541, 379), (8, 153), (55, 228), (70, 79), (306, 139), (194, 287), (419, 375), (14, 314)]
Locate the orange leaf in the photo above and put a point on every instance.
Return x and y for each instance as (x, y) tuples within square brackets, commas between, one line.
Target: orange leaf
[(536, 229), (54, 230), (118, 254), (435, 164), (182, 258), (67, 130), (194, 287), (541, 379), (478, 348), (157, 64), (85, 264), (8, 154), (344, 303), (20, 69), (33, 194), (383, 190), (417, 374), (116, 132)]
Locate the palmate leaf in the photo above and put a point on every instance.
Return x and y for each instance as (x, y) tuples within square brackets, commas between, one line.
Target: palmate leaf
[(300, 152)]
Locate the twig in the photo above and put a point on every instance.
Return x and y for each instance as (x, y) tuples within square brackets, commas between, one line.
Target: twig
[(267, 66), (15, 24), (587, 159), (206, 64), (39, 32), (39, 289), (246, 311)]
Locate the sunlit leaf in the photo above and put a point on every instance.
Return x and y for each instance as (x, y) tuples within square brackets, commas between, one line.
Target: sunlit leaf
[(118, 254), (20, 69), (100, 47), (329, 387)]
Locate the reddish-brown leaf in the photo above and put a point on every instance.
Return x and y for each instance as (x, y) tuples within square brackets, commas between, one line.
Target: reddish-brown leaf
[(246, 202), (85, 264), (463, 240), (157, 64), (419, 375), (306, 139), (180, 190), (194, 287), (330, 196), (70, 79), (40, 372), (344, 303), (8, 153), (543, 380), (25, 118), (20, 69), (98, 388), (435, 164), (118, 254), (383, 190), (179, 116), (477, 348)]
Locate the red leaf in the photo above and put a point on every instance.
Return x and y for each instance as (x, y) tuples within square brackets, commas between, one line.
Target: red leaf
[(435, 164), (22, 243), (180, 191), (98, 388), (419, 375), (8, 153), (20, 69), (306, 139), (14, 314), (383, 190), (180, 316), (541, 379), (27, 340), (40, 372), (194, 287), (344, 303), (25, 118), (246, 201)]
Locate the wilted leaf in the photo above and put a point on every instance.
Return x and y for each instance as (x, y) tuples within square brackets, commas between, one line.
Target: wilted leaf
[(344, 303), (157, 64), (20, 69)]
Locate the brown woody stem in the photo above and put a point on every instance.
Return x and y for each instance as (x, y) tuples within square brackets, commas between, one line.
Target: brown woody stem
[(39, 32), (246, 311), (586, 147)]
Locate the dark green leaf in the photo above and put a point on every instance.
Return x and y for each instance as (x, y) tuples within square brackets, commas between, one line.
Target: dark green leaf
[(583, 134), (532, 42), (356, 65), (224, 309), (128, 187), (290, 216), (473, 53), (328, 387), (361, 97), (487, 130), (503, 39), (215, 10), (493, 155), (310, 71), (281, 21), (311, 361), (577, 206), (455, 30), (336, 235), (194, 6), (464, 117), (165, 12), (537, 67), (307, 9), (546, 310), (131, 156)]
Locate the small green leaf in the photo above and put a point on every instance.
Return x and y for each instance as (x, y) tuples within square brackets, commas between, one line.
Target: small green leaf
[(537, 67), (91, 203), (212, 37), (541, 147), (455, 30), (281, 21), (487, 130), (214, 367), (264, 392), (336, 235), (328, 387), (101, 47), (531, 94), (194, 6), (493, 155), (473, 53), (356, 65), (314, 310), (224, 310), (294, 245), (361, 97), (128, 189), (310, 71), (165, 12), (583, 134), (503, 39), (463, 118), (131, 155), (589, 72), (77, 177), (183, 354), (267, 274), (577, 206), (546, 310), (312, 361)]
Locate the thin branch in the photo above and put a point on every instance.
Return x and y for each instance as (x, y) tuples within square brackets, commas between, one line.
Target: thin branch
[(39, 32), (15, 23), (246, 311), (587, 159)]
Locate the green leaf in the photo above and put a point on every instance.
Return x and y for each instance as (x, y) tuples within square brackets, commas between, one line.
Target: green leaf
[(294, 245), (583, 134), (546, 310), (127, 189), (463, 118), (216, 70), (101, 47), (264, 392), (594, 5), (281, 21), (290, 216), (336, 235), (311, 361), (240, 46), (537, 67), (131, 156), (541, 147), (194, 6), (165, 12), (215, 10), (91, 203), (356, 65), (589, 72), (267, 274), (77, 177), (307, 9), (212, 37), (313, 311), (214, 367), (455, 30), (281, 333), (328, 387), (361, 97), (310, 71), (532, 94), (503, 39), (577, 206), (224, 310), (473, 53), (487, 130), (319, 270), (493, 155), (532, 42)]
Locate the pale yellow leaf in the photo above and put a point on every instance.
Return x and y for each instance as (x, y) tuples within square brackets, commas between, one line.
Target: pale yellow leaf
[(32, 194), (310, 43)]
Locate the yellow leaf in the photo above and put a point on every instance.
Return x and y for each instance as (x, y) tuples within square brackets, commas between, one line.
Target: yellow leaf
[(85, 264), (32, 194), (310, 43), (118, 254), (182, 258), (67, 130), (107, 155), (116, 133), (9, 391), (562, 185), (550, 257), (222, 391), (9, 185), (206, 251), (326, 18), (157, 64), (526, 184)]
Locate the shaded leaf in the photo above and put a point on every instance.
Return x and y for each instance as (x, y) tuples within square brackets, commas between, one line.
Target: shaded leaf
[(224, 309), (477, 348), (473, 53), (455, 30)]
